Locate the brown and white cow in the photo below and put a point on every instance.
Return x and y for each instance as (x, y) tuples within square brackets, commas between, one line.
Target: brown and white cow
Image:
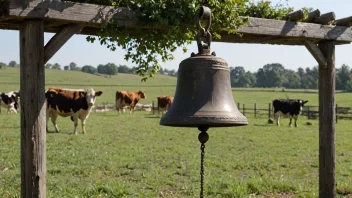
[(128, 98), (10, 101), (69, 102), (164, 103)]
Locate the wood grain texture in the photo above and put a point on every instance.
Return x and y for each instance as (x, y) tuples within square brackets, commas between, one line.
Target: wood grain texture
[(295, 16), (327, 116), (325, 19), (57, 41), (316, 53), (344, 21), (33, 115), (313, 15), (57, 14)]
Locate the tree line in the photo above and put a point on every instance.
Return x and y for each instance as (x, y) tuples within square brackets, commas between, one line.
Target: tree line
[(270, 75)]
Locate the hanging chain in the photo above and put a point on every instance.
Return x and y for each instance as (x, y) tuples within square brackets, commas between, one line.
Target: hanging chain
[(203, 138), (205, 14)]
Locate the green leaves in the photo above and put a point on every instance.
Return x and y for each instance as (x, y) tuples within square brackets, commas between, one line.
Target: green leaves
[(146, 48)]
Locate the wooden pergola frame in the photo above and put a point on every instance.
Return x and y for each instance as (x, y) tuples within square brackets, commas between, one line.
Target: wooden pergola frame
[(319, 34)]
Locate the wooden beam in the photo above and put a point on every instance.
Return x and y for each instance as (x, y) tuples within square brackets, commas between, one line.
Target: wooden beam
[(345, 21), (75, 12), (327, 117), (295, 16), (33, 114), (325, 19), (60, 39), (93, 16), (317, 53), (313, 15)]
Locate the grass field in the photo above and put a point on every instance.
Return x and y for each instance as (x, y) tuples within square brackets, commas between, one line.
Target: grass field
[(133, 156)]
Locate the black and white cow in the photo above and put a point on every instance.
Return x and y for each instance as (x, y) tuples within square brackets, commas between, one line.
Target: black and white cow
[(288, 108), (10, 101)]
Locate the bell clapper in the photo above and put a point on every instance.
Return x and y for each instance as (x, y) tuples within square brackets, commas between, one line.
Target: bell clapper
[(203, 138)]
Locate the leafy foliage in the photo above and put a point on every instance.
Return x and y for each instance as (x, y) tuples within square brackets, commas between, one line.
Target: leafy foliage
[(147, 48)]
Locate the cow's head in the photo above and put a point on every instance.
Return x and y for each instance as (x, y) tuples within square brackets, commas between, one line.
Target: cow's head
[(301, 103), (90, 95), (142, 94)]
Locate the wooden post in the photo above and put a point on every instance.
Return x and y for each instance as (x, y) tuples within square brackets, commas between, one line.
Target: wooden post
[(153, 107), (336, 113), (239, 106), (33, 110), (243, 110), (255, 110), (269, 110), (327, 116), (308, 113)]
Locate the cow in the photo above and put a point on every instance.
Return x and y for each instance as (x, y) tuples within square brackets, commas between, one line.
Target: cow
[(69, 102), (128, 98), (164, 103), (10, 101), (290, 108)]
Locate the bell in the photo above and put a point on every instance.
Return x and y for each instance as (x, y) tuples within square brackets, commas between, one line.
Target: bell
[(203, 95)]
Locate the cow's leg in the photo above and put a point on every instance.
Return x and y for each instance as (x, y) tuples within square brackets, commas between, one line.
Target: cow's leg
[(290, 124), (277, 118), (75, 121), (53, 120), (296, 117), (83, 121), (47, 119)]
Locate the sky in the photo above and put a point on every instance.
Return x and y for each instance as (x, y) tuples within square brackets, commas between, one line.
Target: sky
[(250, 56)]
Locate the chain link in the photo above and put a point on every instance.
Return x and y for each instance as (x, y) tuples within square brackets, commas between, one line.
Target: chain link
[(202, 170)]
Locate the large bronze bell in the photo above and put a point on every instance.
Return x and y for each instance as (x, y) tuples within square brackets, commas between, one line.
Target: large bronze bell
[(203, 94)]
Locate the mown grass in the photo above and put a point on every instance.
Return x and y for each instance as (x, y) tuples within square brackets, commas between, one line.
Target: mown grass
[(133, 156)]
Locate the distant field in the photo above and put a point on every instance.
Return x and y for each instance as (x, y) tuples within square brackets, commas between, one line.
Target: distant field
[(133, 156), (160, 85)]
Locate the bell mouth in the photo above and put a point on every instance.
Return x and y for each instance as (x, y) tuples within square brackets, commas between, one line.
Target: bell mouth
[(196, 121)]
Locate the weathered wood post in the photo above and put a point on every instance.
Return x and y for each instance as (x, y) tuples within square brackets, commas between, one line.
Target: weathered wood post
[(239, 106), (308, 113), (153, 107), (33, 115), (336, 113), (327, 116), (255, 110), (243, 110), (269, 110)]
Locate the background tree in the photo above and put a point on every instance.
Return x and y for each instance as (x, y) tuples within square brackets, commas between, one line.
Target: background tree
[(13, 64), (72, 66), (66, 67), (89, 69), (56, 66), (48, 66)]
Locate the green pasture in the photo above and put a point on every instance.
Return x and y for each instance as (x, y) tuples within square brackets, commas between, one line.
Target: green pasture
[(133, 156)]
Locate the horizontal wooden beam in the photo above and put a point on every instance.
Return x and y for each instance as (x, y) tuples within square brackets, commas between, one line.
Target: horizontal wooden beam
[(325, 19), (313, 15), (345, 21), (295, 16), (60, 39), (316, 52), (57, 14), (72, 12)]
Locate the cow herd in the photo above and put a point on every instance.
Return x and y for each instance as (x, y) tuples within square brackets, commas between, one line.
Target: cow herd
[(78, 103)]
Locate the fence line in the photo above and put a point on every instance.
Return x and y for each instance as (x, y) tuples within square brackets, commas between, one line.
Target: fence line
[(312, 112)]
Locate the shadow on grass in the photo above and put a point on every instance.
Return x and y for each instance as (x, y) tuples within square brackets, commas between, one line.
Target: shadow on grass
[(263, 125), (152, 117)]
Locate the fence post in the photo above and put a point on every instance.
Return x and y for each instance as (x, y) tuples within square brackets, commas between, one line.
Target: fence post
[(238, 106), (336, 112), (308, 114), (153, 107), (269, 110), (243, 111), (255, 110)]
